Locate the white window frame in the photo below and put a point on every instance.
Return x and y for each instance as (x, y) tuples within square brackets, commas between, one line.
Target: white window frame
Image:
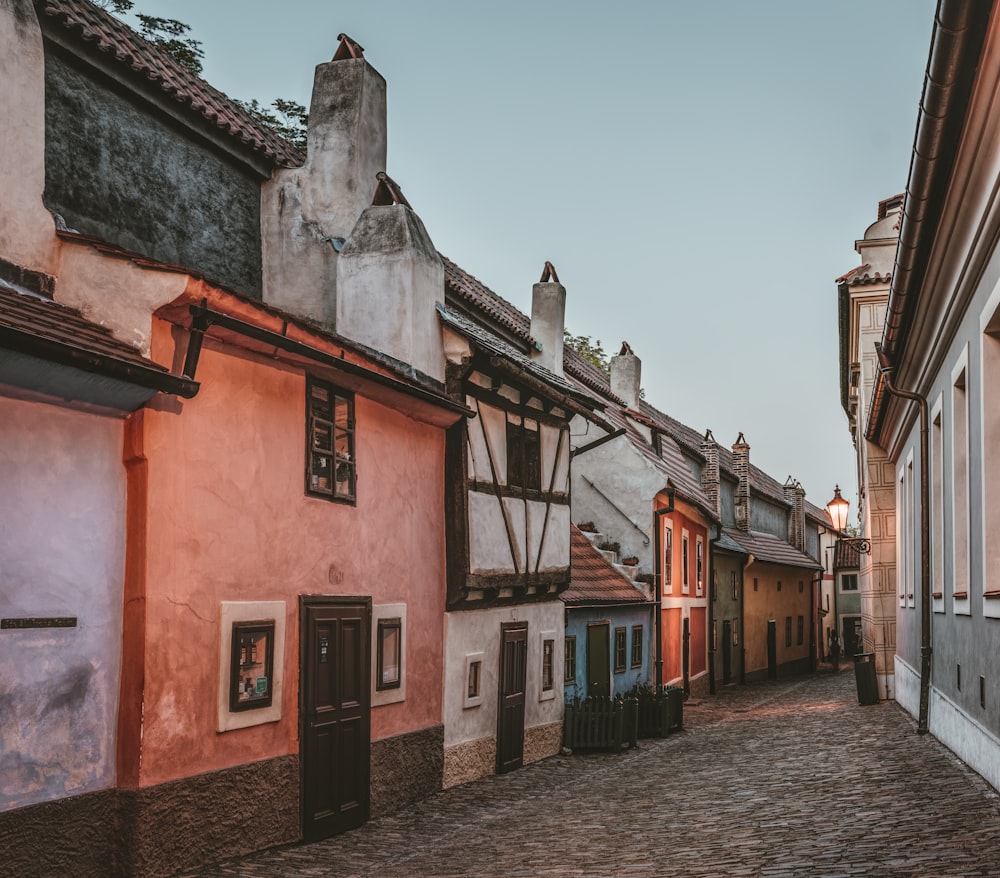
[(474, 700), (989, 384), (699, 561), (248, 611), (685, 561), (936, 482), (668, 557), (960, 486), (550, 693), (398, 693)]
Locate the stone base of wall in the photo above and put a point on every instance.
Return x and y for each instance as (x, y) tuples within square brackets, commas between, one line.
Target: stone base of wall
[(699, 686), (209, 817), (405, 769), (789, 669), (540, 742), (156, 831), (74, 836), (469, 760)]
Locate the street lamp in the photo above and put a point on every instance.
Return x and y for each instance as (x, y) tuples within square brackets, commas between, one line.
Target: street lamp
[(838, 508)]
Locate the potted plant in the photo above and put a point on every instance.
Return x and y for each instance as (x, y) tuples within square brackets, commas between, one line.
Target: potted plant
[(588, 527), (631, 561)]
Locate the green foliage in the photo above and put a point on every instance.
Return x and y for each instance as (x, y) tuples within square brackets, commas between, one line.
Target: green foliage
[(592, 351), (288, 118), (170, 35), (118, 6)]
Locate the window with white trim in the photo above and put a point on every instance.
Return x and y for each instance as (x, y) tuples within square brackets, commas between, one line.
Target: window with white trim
[(936, 481), (960, 490), (699, 551), (668, 557), (685, 581), (990, 418)]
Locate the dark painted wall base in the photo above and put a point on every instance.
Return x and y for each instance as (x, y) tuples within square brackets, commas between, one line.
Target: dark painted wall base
[(156, 831), (173, 827), (406, 769)]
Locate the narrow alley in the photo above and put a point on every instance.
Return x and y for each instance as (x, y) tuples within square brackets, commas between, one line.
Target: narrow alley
[(789, 778)]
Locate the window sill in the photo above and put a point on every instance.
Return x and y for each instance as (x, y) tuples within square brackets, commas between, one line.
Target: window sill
[(992, 595), (961, 595), (937, 595)]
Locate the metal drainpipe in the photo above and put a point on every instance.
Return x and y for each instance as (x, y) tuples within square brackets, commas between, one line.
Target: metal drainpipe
[(885, 367)]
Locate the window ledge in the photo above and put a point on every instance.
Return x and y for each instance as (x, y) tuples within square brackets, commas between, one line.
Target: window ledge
[(961, 595), (992, 595), (937, 595)]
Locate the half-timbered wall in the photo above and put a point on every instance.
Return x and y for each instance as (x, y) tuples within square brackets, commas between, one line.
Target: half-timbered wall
[(509, 536)]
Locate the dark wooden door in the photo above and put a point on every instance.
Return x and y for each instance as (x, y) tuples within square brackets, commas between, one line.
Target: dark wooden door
[(598, 660), (727, 651), (686, 655), (772, 650), (335, 711), (513, 679)]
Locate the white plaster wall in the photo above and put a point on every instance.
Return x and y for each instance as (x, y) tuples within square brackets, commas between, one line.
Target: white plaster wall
[(968, 739), (490, 427), (555, 551), (62, 553), (27, 230), (478, 631), (489, 546), (116, 293), (553, 444)]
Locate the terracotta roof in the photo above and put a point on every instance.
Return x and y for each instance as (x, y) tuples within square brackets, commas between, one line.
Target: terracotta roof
[(593, 580), (102, 32), (846, 555), (772, 549), (475, 293), (47, 320), (486, 340), (860, 276)]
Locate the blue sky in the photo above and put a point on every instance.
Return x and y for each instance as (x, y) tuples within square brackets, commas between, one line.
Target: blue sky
[(697, 172)]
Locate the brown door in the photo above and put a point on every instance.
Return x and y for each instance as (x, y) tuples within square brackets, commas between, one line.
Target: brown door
[(513, 677), (335, 725), (598, 660)]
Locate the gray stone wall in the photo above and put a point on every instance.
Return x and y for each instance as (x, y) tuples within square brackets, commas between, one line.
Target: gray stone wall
[(116, 170), (405, 769)]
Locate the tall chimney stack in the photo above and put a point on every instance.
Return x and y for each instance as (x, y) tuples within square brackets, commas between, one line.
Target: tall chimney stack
[(741, 462), (548, 320), (308, 212), (626, 376), (710, 479)]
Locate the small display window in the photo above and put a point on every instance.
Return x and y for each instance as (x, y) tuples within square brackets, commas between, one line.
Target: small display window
[(252, 665)]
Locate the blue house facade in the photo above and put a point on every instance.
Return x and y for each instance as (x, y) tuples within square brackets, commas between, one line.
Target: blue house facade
[(609, 627)]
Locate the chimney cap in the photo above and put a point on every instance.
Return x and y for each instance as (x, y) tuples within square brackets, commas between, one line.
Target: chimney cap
[(348, 48), (626, 349), (549, 274), (388, 192), (740, 440)]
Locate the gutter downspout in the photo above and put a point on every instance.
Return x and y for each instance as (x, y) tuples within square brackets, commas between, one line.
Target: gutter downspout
[(885, 369)]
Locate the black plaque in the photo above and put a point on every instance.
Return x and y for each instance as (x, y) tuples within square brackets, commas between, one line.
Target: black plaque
[(39, 622)]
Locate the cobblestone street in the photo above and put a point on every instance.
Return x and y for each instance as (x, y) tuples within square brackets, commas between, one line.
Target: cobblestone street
[(791, 778)]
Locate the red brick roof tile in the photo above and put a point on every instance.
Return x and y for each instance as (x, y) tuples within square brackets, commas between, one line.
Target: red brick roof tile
[(593, 579), (95, 28)]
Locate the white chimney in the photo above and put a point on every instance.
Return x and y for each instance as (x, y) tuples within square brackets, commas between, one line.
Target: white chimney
[(308, 212), (626, 376), (389, 280), (548, 320)]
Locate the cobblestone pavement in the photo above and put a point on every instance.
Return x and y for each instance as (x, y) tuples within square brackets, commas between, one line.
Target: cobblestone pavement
[(789, 778)]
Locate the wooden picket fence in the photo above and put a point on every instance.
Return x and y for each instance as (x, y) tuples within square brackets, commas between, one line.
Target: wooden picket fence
[(601, 724), (661, 714)]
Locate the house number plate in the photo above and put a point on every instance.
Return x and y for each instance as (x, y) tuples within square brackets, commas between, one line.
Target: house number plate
[(324, 649), (39, 622)]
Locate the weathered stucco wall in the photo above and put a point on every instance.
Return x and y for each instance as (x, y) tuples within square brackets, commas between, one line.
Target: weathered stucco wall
[(228, 520), (768, 603), (115, 169), (478, 631), (62, 544), (615, 617)]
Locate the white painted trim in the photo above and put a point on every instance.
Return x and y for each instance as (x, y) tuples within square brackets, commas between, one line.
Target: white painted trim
[(476, 700), (685, 561), (961, 607), (249, 611), (965, 736), (389, 611), (544, 695), (937, 455), (990, 578)]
